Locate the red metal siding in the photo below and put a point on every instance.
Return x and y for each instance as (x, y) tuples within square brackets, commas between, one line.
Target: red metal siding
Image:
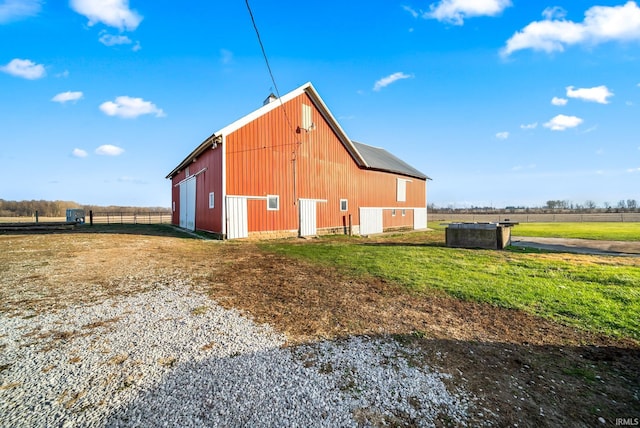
[(208, 219), (260, 162)]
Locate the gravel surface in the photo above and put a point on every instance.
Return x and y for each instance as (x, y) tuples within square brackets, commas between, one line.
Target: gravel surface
[(172, 357)]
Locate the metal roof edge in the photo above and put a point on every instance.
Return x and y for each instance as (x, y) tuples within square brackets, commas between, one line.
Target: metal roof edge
[(307, 88), (342, 135), (195, 153)]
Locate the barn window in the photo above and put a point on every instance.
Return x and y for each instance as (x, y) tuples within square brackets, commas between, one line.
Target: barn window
[(393, 213), (173, 206), (401, 194), (212, 201), (273, 202), (404, 212), (344, 205), (186, 172)]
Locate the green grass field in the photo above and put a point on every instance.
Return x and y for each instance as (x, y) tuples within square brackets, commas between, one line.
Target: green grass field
[(593, 293)]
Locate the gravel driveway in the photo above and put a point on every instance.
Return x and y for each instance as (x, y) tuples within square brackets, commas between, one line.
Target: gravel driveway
[(579, 246), (173, 357)]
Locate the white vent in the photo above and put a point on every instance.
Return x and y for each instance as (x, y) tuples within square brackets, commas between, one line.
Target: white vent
[(271, 98)]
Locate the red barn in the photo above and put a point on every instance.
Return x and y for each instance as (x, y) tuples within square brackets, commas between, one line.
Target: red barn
[(289, 169)]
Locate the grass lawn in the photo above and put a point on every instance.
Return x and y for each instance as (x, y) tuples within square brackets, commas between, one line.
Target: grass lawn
[(599, 231), (599, 294)]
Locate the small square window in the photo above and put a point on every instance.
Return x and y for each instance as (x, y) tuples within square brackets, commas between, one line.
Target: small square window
[(404, 212), (186, 172), (344, 205), (173, 206), (273, 202), (393, 213), (212, 200)]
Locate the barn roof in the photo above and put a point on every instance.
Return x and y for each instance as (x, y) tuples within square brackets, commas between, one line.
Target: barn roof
[(380, 159), (372, 158)]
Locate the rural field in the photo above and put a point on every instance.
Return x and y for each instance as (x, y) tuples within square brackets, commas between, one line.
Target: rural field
[(526, 338)]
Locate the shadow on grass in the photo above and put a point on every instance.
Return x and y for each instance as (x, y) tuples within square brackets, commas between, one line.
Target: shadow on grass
[(316, 384)]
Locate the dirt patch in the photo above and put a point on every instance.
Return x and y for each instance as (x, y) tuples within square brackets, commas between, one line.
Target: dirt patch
[(523, 369)]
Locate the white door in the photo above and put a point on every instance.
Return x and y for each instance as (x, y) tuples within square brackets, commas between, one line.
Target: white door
[(308, 223), (237, 224), (420, 218), (191, 203), (188, 204), (370, 221)]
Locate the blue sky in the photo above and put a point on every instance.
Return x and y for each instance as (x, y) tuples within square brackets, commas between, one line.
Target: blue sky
[(501, 102)]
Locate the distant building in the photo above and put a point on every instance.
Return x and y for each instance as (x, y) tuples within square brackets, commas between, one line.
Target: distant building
[(289, 169)]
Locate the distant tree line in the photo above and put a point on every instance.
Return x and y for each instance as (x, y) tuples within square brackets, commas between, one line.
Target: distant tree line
[(59, 208), (551, 206)]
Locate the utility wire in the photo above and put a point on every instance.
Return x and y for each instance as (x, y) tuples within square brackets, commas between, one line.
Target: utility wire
[(264, 54)]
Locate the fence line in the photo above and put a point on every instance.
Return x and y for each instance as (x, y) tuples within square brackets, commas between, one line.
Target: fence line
[(130, 218), (537, 218)]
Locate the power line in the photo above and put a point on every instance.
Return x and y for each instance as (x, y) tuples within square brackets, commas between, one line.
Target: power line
[(266, 60)]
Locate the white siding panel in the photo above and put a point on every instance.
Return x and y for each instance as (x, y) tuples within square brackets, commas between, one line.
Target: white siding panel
[(370, 221), (308, 220), (237, 222), (420, 218)]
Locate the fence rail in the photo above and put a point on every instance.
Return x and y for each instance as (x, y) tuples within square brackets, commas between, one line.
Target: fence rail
[(538, 218)]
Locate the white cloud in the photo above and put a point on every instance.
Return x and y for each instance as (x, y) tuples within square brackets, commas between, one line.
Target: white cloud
[(559, 101), (412, 11), (79, 153), (554, 12), (598, 94), (633, 170), (109, 150), (562, 122), (128, 108), (455, 11), (136, 47), (386, 81), (63, 74), (111, 40), (24, 68), (114, 13), (601, 24), (13, 10), (64, 97), (502, 135), (529, 126)]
